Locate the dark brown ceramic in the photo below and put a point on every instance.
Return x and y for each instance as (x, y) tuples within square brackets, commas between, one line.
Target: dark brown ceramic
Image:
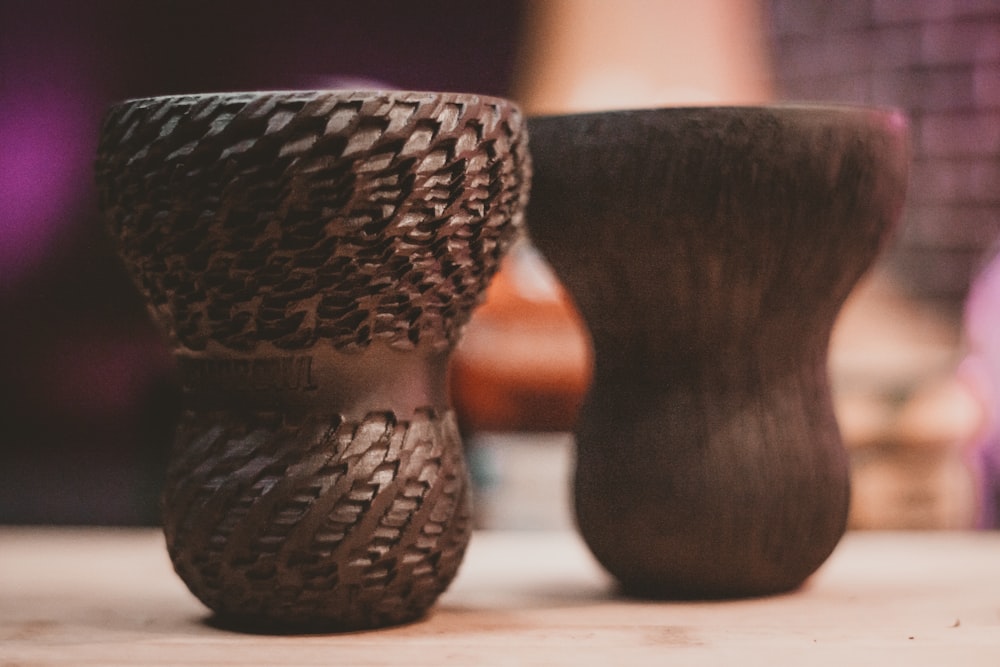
[(709, 251), (312, 257)]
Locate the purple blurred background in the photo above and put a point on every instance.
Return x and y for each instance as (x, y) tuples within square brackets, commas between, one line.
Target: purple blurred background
[(86, 391), (85, 385)]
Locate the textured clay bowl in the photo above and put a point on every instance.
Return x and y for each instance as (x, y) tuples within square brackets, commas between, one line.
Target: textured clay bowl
[(312, 257)]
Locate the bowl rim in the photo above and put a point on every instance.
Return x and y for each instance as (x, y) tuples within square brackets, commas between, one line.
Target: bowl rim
[(791, 107), (314, 94)]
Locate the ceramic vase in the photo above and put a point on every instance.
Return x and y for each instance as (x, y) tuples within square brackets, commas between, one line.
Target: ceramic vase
[(709, 251), (311, 258)]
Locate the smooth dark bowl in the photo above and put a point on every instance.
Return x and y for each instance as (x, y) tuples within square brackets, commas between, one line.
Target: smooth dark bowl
[(709, 251)]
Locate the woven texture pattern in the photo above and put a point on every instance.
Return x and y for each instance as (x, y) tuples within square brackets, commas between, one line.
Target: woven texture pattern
[(294, 218), (275, 230), (364, 523)]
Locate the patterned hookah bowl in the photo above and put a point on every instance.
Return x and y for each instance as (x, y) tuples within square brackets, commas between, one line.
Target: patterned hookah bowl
[(709, 251), (312, 257)]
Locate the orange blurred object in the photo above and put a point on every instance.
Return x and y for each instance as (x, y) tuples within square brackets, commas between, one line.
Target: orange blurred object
[(524, 362)]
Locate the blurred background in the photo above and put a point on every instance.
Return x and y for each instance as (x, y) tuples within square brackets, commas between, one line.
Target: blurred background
[(86, 387)]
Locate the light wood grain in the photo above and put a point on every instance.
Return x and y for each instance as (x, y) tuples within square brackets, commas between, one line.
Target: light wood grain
[(108, 597)]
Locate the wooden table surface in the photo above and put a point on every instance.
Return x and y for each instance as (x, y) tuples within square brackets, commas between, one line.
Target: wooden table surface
[(109, 597)]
